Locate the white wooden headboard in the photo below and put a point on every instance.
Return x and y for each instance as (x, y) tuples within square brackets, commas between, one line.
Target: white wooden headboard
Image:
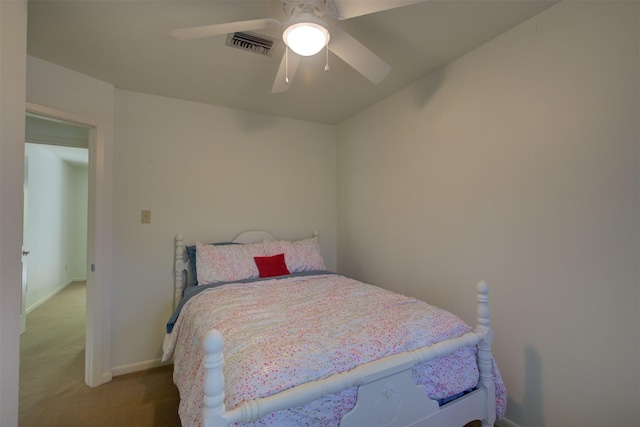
[(182, 267), (253, 237)]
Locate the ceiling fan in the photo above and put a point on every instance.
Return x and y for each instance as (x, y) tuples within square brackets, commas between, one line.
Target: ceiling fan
[(306, 34)]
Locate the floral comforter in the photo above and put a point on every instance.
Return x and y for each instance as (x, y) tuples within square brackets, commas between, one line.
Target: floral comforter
[(283, 332)]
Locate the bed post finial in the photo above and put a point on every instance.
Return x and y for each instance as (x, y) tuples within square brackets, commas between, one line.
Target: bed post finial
[(485, 357), (213, 411), (484, 321)]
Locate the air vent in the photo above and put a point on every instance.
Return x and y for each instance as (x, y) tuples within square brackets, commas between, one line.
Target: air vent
[(252, 42)]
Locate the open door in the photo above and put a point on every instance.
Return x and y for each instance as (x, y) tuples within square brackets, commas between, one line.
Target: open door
[(25, 251)]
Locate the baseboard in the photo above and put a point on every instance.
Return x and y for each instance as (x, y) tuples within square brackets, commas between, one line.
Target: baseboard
[(50, 295), (505, 422), (106, 377), (135, 367)]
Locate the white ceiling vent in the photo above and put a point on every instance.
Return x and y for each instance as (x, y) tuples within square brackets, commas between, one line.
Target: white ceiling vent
[(252, 42)]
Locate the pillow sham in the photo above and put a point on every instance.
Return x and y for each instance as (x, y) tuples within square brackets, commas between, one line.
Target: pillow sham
[(191, 254), (216, 264), (303, 255), (270, 266)]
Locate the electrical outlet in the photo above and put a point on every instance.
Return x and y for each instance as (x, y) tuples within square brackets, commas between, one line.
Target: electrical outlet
[(145, 217)]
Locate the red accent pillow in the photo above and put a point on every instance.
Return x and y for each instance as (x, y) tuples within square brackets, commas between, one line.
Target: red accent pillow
[(270, 266)]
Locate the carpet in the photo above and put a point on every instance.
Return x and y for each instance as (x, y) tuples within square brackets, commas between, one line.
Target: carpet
[(52, 388)]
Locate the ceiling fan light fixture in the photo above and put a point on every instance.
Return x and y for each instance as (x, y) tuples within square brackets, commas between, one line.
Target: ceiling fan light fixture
[(306, 38)]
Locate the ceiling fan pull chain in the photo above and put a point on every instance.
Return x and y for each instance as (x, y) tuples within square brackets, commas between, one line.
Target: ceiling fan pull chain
[(326, 67), (286, 64)]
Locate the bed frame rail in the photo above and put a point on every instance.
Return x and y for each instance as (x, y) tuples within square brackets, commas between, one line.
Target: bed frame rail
[(386, 394)]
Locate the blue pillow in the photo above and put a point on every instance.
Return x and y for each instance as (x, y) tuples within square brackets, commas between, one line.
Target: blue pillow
[(191, 253)]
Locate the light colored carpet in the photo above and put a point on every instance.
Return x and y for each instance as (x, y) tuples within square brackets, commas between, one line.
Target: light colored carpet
[(52, 388)]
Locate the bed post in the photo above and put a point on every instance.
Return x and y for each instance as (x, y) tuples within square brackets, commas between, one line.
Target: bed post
[(179, 273), (213, 410), (485, 357)]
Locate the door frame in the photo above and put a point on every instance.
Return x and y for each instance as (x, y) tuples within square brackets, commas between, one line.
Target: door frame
[(98, 323)]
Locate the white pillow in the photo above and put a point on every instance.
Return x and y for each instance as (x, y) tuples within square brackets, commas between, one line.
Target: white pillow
[(216, 264), (303, 255)]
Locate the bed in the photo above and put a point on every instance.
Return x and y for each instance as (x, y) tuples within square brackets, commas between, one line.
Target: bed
[(331, 352)]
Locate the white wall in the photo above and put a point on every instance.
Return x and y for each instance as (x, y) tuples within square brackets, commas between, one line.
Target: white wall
[(56, 224), (13, 48), (518, 164), (80, 195), (208, 173)]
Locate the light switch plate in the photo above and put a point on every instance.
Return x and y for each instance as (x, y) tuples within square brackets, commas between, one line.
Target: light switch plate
[(145, 216)]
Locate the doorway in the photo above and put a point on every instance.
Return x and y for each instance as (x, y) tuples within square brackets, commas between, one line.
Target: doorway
[(98, 319), (56, 195), (55, 208), (54, 220)]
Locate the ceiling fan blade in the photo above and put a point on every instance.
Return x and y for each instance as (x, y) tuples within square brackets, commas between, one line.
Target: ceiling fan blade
[(351, 8), (286, 70), (230, 27), (358, 56)]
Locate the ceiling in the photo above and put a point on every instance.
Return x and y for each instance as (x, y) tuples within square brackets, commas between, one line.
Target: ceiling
[(78, 157), (67, 141), (127, 43)]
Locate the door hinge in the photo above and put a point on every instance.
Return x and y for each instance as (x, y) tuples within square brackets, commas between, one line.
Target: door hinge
[(93, 267)]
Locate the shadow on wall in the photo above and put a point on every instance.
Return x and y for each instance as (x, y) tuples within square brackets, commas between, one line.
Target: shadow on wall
[(530, 411), (355, 270), (251, 123), (428, 86)]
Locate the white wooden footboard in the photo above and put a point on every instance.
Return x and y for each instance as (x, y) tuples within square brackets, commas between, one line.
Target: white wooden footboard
[(386, 394)]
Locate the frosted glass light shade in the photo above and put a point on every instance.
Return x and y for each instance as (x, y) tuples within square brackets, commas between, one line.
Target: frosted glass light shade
[(306, 38)]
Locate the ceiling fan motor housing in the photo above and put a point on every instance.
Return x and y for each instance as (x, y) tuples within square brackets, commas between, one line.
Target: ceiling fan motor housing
[(316, 8)]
